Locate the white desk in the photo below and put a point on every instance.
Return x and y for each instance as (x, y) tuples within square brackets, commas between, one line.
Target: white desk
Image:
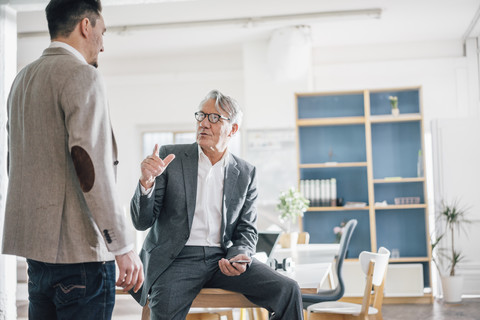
[(308, 253), (312, 275)]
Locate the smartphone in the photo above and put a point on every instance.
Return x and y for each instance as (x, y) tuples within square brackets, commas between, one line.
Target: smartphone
[(239, 261)]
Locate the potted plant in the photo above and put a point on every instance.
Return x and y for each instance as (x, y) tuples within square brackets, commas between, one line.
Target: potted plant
[(452, 218), (291, 205), (394, 104)]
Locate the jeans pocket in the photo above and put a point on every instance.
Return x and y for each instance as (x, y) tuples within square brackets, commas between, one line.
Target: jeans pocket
[(71, 288)]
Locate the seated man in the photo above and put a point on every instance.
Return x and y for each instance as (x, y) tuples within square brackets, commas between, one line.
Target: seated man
[(201, 208)]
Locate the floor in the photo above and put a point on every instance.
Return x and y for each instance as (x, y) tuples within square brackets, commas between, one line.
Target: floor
[(127, 309), (468, 309)]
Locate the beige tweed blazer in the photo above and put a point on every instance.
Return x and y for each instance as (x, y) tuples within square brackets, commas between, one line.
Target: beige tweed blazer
[(62, 205)]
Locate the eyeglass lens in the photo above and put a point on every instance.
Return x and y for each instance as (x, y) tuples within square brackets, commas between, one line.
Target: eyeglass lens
[(212, 117)]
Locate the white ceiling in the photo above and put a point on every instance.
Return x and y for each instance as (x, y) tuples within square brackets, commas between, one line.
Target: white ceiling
[(137, 28)]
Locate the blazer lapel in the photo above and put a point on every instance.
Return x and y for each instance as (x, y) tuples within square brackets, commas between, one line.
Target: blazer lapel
[(229, 182), (190, 174)]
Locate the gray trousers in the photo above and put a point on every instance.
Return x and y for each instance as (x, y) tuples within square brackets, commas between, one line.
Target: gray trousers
[(197, 267)]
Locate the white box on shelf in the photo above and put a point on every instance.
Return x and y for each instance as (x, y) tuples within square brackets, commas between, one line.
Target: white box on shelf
[(404, 280)]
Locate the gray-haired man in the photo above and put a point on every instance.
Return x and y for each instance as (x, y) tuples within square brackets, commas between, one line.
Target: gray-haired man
[(200, 203)]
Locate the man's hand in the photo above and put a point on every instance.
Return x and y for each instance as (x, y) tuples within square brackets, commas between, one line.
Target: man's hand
[(131, 271), (153, 166), (232, 268)]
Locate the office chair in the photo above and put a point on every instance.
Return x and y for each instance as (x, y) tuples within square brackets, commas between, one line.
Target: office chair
[(374, 265), (339, 290)]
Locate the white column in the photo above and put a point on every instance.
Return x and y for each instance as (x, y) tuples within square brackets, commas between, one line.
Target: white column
[(8, 69), (473, 59)]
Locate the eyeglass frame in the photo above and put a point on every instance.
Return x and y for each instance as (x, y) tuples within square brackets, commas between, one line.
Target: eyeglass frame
[(207, 115)]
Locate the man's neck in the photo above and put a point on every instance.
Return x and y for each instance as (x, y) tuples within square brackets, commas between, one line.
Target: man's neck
[(72, 42), (214, 155)]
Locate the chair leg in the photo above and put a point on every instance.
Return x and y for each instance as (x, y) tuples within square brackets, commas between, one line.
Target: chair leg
[(203, 316), (261, 314), (326, 316), (226, 313), (146, 312)]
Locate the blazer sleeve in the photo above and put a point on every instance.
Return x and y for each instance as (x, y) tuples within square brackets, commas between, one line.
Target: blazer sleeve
[(144, 209), (90, 142)]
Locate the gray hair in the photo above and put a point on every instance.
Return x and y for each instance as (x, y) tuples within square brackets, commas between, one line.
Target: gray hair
[(226, 104)]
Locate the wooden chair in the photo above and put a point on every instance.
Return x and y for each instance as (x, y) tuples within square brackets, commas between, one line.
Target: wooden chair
[(216, 298), (215, 314), (374, 265)]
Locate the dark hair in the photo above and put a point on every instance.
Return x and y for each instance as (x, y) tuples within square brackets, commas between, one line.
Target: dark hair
[(64, 15)]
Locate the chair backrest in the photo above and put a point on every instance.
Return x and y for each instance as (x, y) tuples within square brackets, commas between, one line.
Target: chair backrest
[(381, 263), (342, 252), (374, 265)]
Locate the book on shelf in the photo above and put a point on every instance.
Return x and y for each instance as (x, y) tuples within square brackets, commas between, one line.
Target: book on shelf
[(353, 204)]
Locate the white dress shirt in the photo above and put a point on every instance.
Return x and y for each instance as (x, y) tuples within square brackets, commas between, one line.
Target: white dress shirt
[(59, 44), (207, 219)]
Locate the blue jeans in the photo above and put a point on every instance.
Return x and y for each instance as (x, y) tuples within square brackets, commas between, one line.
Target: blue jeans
[(71, 291)]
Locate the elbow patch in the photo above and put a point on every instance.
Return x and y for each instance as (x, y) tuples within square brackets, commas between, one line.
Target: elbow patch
[(84, 168)]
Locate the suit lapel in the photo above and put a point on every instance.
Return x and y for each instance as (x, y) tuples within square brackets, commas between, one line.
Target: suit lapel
[(229, 183), (190, 174)]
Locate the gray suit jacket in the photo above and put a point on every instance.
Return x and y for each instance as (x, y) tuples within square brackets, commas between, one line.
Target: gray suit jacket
[(169, 211), (62, 205)]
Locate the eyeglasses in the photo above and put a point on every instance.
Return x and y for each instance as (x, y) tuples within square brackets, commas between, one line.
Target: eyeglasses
[(212, 117)]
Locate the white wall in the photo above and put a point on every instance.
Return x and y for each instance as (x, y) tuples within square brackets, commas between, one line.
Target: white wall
[(8, 41)]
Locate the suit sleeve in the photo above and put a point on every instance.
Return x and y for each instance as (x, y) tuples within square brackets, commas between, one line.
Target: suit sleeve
[(245, 235), (144, 209), (90, 142)]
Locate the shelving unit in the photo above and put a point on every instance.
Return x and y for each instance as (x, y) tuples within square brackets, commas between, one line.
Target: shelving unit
[(354, 138)]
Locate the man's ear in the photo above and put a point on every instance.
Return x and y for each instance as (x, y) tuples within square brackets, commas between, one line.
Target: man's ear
[(234, 130), (85, 26)]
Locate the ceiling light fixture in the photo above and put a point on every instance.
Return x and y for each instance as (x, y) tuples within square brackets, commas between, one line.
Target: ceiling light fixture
[(249, 22)]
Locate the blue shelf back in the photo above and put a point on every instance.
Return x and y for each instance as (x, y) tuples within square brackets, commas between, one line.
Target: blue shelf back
[(390, 191), (348, 105), (332, 143), (320, 226), (403, 230), (408, 102), (352, 184), (395, 149)]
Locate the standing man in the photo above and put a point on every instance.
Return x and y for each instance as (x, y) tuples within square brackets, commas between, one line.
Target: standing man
[(201, 208), (62, 211)]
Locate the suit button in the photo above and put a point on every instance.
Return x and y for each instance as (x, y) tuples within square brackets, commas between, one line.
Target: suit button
[(172, 256), (115, 162), (187, 236)]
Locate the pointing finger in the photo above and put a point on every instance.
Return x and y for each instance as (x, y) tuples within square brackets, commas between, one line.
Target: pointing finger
[(156, 150)]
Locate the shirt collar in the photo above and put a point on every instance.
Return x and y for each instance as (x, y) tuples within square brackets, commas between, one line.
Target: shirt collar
[(75, 52), (224, 160)]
